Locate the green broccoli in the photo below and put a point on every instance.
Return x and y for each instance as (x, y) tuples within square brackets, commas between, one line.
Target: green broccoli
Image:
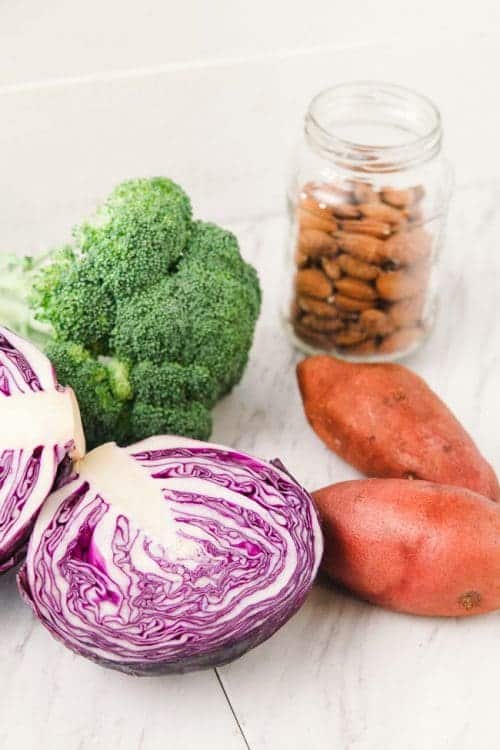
[(148, 315)]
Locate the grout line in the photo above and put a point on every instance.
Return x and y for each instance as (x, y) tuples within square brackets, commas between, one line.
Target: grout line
[(188, 65), (237, 721)]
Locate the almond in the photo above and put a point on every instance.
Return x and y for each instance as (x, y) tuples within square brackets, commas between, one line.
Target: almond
[(313, 282), (364, 193), (357, 268), (346, 211), (301, 259), (316, 307), (309, 220), (397, 285), (376, 322), (402, 198), (350, 304), (407, 312), (397, 198), (409, 247), (324, 325), (314, 242), (353, 334), (314, 338), (382, 212), (355, 288), (368, 226), (368, 249), (401, 340), (331, 268), (312, 206)]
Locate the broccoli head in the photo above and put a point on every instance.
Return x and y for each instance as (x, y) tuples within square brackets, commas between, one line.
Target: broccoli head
[(139, 234), (150, 315)]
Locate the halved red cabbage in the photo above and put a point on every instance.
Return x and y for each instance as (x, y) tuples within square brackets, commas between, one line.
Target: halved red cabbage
[(171, 555), (39, 426)]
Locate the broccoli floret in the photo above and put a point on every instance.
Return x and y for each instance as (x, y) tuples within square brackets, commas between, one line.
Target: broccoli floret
[(70, 295), (204, 314), (174, 383), (139, 235), (190, 420), (149, 316)]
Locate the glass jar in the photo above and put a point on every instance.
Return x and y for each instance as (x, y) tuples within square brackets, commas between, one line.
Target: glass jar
[(368, 203)]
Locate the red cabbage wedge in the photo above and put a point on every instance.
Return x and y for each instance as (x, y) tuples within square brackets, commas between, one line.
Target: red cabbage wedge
[(39, 426), (171, 555)]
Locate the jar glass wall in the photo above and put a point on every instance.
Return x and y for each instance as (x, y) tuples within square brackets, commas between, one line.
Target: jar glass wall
[(368, 202)]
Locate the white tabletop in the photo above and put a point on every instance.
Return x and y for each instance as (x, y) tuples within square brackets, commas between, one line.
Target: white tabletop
[(342, 674)]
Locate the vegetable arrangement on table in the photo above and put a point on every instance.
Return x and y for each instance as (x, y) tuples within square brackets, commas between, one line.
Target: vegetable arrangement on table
[(173, 554)]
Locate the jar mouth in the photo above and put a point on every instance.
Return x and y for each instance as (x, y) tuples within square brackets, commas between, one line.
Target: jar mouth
[(370, 126)]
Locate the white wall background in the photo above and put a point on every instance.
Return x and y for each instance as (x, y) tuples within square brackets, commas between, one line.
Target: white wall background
[(213, 93)]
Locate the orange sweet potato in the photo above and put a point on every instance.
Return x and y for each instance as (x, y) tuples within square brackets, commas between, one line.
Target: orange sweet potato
[(413, 546), (384, 420)]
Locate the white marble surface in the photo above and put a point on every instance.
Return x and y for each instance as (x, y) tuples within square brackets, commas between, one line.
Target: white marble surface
[(342, 674)]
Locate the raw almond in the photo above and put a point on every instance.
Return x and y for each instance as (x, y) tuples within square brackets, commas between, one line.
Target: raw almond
[(355, 288), (368, 249), (353, 334), (397, 198), (350, 304), (368, 226), (382, 212), (407, 312), (400, 340), (359, 269), (397, 285), (314, 338), (331, 268), (324, 325), (376, 322), (402, 198), (364, 193), (301, 259), (309, 220), (409, 247), (313, 282), (314, 242), (316, 307), (346, 211), (312, 206)]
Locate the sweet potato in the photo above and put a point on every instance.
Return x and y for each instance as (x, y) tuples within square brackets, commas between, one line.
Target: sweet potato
[(384, 420), (413, 546)]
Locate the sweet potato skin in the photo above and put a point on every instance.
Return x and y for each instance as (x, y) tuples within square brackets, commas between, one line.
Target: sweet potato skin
[(384, 420), (413, 546)]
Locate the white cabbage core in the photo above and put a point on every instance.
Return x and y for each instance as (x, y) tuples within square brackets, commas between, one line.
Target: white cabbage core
[(129, 489), (41, 418)]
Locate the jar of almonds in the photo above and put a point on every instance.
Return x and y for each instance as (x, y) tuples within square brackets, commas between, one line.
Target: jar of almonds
[(368, 202)]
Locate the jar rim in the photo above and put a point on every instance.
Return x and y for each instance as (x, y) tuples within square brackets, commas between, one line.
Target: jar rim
[(407, 104)]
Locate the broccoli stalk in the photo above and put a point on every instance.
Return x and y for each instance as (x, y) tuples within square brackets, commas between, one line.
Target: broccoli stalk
[(148, 315)]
